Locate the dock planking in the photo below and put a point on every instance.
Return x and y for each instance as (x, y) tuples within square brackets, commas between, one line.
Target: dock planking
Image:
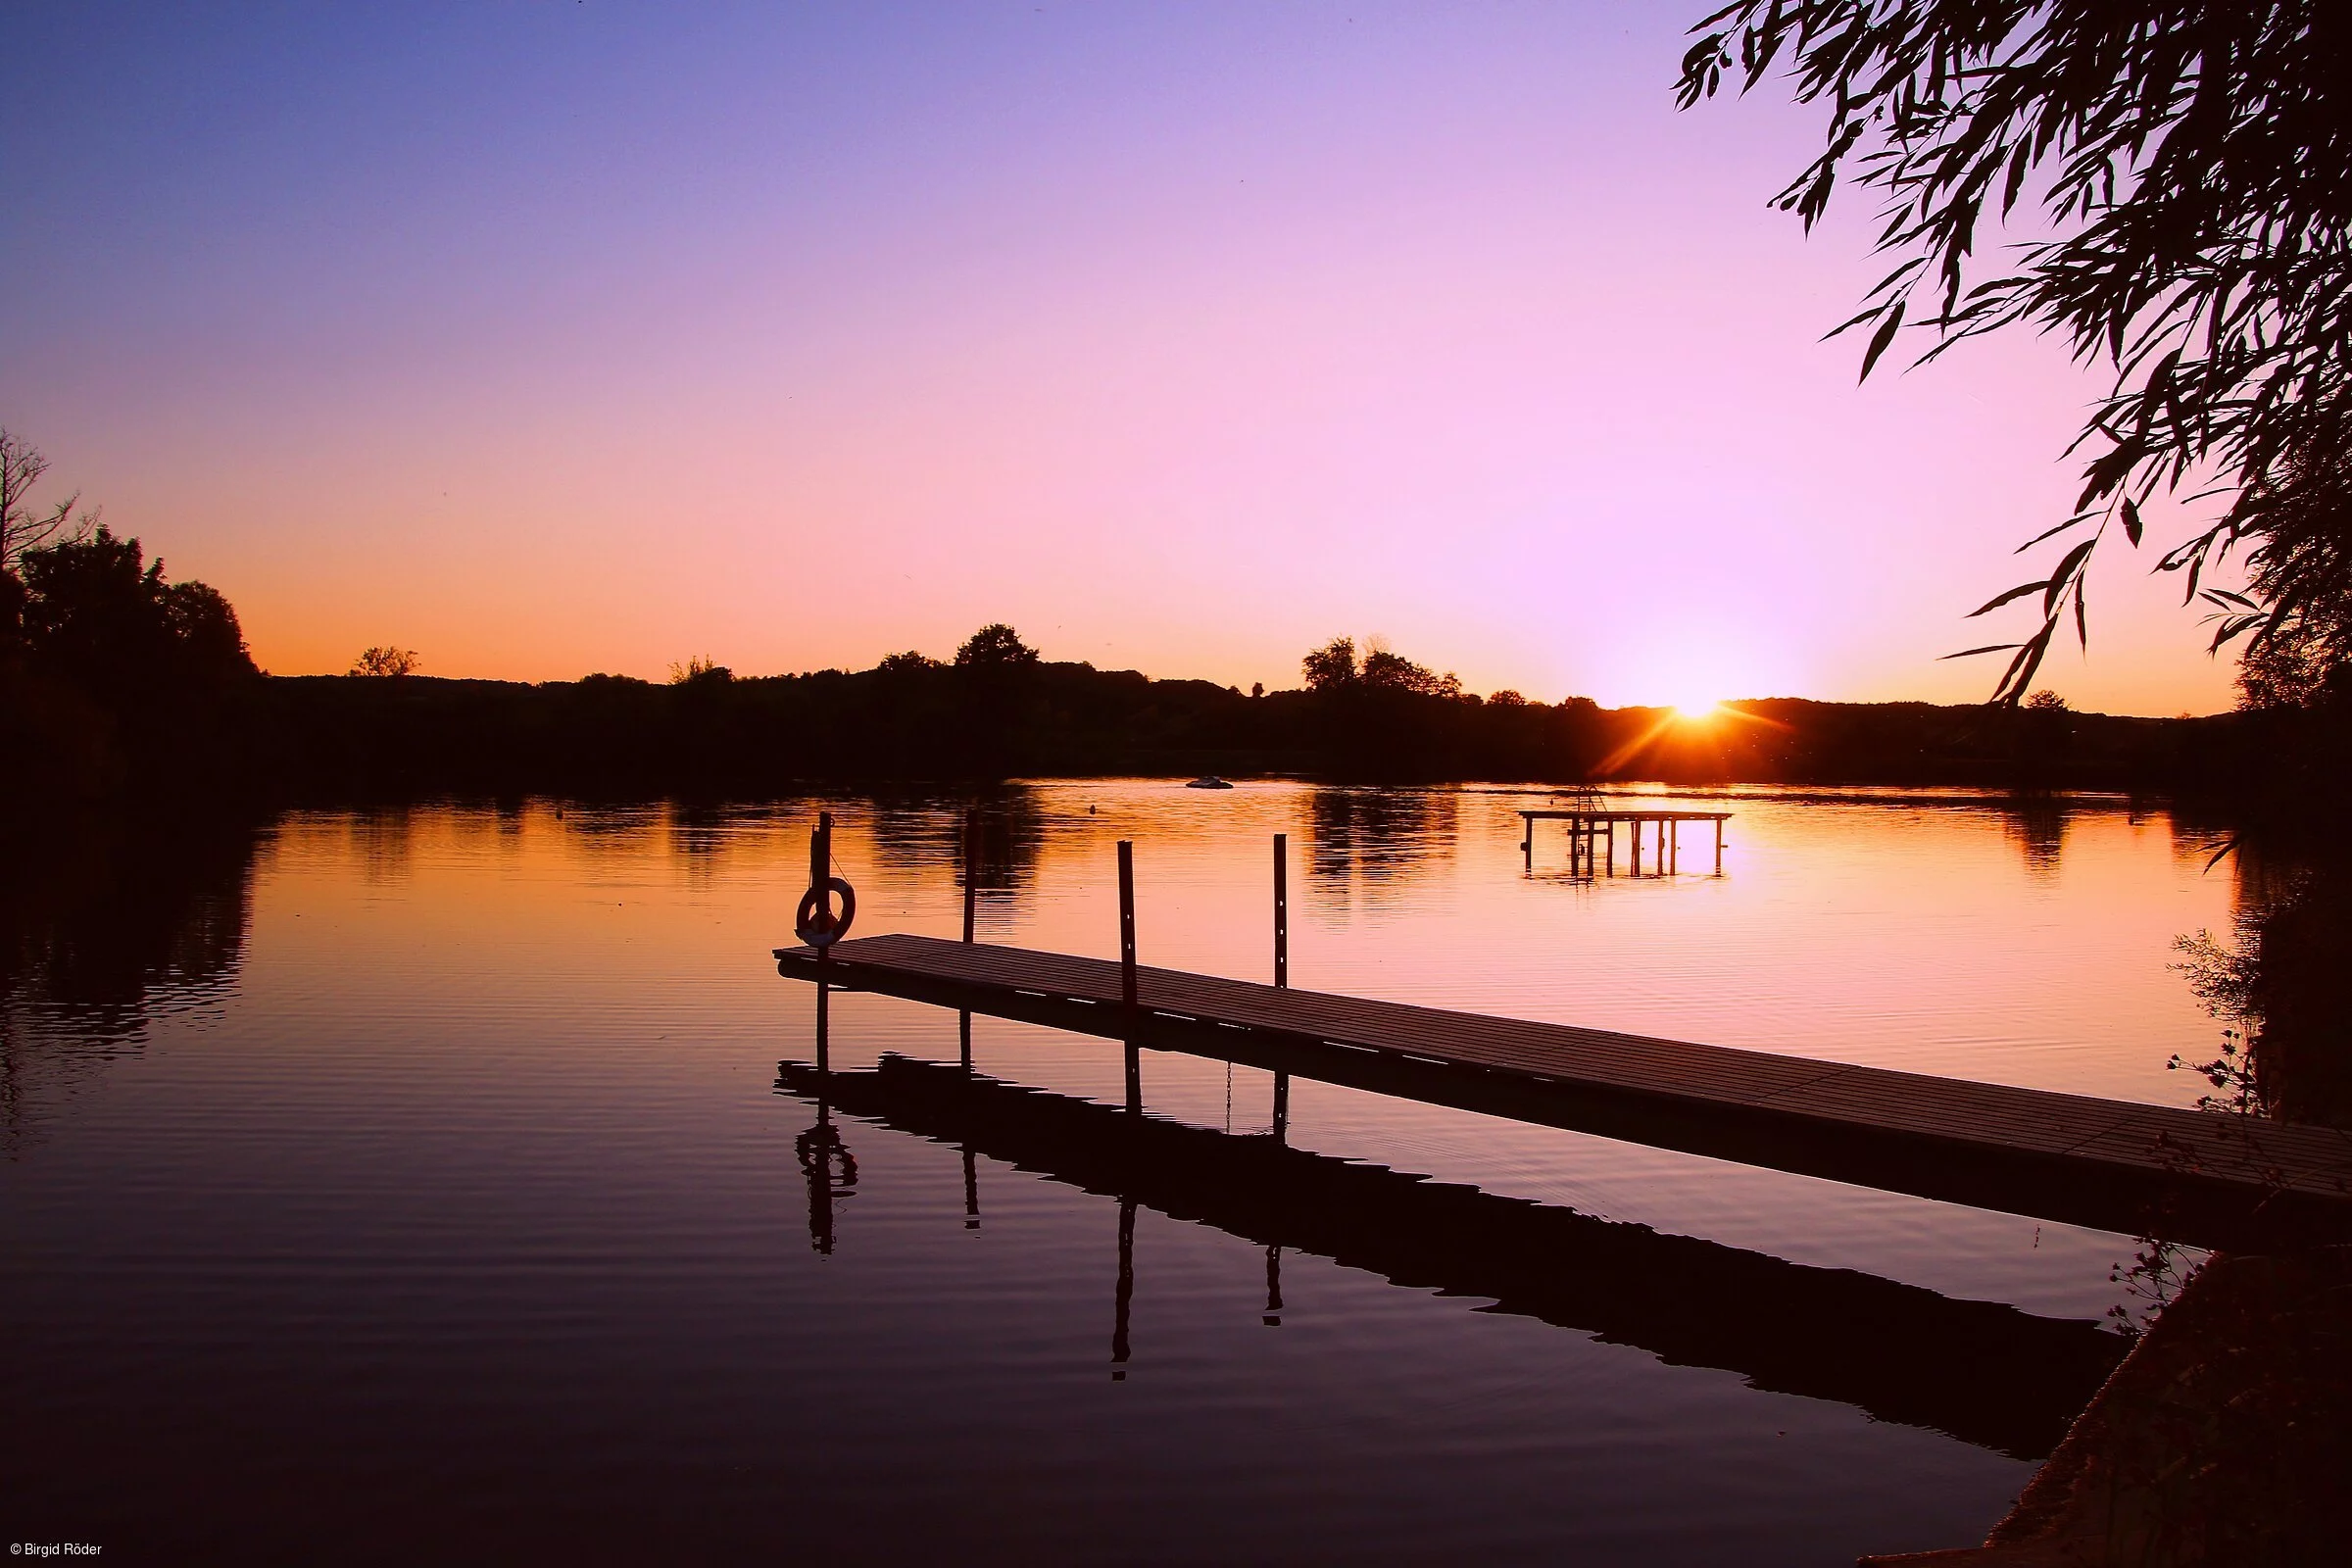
[(2208, 1180)]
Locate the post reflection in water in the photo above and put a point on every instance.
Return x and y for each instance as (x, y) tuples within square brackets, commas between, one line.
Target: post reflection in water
[(831, 1171), (1123, 1294), (1980, 1371), (826, 1162)]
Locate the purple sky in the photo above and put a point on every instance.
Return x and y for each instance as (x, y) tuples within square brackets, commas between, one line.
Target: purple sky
[(555, 338)]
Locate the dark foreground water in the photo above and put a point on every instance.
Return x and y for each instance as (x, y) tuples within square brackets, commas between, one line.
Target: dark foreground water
[(426, 1187)]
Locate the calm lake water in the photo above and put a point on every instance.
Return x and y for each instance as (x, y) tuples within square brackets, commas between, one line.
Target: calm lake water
[(424, 1185)]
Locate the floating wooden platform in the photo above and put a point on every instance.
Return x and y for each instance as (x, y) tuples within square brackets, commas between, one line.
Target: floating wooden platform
[(1598, 814), (1592, 837), (2207, 1180)]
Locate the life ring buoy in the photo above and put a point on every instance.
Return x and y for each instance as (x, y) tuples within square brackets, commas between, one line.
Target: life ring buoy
[(814, 921)]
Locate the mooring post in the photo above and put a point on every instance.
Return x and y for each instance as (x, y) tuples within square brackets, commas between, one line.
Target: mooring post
[(971, 893), (1272, 1317), (1127, 921), (1612, 861), (1282, 965), (1719, 846), (1282, 909), (1633, 841), (820, 868), (824, 1062), (1127, 987), (971, 1190), (971, 859), (1673, 854)]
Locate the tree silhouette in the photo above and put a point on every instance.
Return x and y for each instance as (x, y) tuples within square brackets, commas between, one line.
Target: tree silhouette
[(699, 670), (2194, 161), (23, 527), (386, 662), (1331, 668), (97, 612), (995, 646)]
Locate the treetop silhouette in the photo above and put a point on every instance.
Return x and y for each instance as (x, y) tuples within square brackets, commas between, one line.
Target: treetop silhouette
[(2192, 160)]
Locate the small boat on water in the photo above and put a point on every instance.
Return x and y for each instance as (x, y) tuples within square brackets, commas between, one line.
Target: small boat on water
[(1208, 781)]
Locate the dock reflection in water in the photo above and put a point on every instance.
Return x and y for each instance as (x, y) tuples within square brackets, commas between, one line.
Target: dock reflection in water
[(1980, 1371)]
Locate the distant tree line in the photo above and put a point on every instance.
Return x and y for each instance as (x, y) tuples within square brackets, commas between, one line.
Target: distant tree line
[(117, 683), (998, 710)]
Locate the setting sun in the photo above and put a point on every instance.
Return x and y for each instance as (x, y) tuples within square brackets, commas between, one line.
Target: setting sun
[(1696, 712)]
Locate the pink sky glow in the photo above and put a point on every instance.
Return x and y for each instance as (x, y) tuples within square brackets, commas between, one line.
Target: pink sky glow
[(550, 340)]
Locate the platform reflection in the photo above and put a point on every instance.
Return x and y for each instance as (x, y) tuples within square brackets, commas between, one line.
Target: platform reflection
[(1980, 1371)]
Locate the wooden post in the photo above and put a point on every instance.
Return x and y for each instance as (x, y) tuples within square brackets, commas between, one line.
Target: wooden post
[(971, 859), (1527, 842), (1719, 846), (971, 1191), (971, 895), (1127, 921), (1282, 909), (824, 1062), (1272, 1317), (1674, 859), (1127, 987), (1633, 840), (1612, 862), (821, 868), (1282, 963)]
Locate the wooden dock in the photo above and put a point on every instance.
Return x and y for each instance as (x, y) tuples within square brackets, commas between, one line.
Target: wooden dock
[(1592, 838), (2208, 1180)]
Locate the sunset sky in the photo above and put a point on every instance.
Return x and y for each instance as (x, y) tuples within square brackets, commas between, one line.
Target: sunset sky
[(549, 338)]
